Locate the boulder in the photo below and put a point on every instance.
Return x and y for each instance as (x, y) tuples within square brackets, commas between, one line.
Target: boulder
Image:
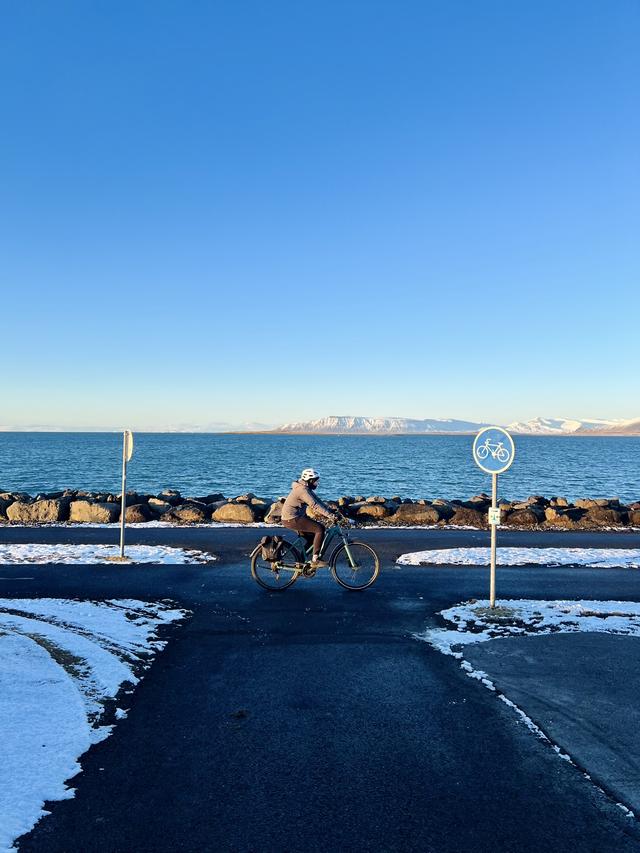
[(4, 503), (274, 515), (42, 511), (558, 502), (477, 503), (96, 513), (209, 499), (396, 499), (237, 513), (345, 501), (376, 499), (139, 513), (602, 516), (159, 506), (415, 514), (131, 499), (589, 503), (171, 496), (189, 512), (540, 500), (445, 508), (375, 511), (524, 518), (567, 518), (634, 517), (466, 517)]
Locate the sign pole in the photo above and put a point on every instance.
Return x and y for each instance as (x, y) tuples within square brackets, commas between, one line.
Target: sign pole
[(493, 452), (494, 530), (123, 507)]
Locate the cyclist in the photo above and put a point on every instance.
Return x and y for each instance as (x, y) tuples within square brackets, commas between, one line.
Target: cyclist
[(294, 512)]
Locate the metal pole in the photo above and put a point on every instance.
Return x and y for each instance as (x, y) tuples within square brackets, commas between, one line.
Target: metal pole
[(123, 508), (494, 527)]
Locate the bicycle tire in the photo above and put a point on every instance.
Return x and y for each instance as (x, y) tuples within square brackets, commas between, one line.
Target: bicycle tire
[(337, 569), (262, 570)]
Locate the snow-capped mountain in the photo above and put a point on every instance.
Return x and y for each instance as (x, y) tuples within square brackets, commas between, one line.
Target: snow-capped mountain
[(354, 424), (346, 424), (561, 426), (631, 427)]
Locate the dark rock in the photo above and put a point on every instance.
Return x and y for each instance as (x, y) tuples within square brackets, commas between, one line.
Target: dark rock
[(189, 512), (139, 513), (209, 499), (566, 518), (524, 518), (602, 516), (467, 517), (345, 501), (274, 515), (171, 496), (158, 505)]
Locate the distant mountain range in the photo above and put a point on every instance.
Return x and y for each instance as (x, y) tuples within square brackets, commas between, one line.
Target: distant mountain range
[(349, 424)]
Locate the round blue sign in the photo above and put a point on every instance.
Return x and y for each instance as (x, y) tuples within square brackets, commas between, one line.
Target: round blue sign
[(493, 450)]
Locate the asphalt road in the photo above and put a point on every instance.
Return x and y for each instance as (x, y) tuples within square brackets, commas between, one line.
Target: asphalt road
[(313, 720)]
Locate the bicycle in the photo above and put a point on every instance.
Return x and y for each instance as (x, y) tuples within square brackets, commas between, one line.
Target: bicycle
[(354, 565), (498, 451)]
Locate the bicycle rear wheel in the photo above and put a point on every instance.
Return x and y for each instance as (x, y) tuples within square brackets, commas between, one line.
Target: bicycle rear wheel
[(355, 566), (279, 575)]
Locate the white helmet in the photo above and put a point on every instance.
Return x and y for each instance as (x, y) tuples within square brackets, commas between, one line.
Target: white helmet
[(309, 474)]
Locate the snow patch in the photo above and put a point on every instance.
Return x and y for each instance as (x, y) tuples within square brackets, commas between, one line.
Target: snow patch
[(83, 554), (60, 661), (596, 558)]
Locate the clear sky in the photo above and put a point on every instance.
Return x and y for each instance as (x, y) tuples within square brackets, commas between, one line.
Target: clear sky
[(270, 211)]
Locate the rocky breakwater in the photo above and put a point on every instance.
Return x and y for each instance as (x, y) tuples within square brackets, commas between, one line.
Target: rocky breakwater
[(77, 507)]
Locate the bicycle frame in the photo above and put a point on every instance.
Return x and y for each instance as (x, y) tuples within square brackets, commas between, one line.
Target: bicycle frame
[(331, 533)]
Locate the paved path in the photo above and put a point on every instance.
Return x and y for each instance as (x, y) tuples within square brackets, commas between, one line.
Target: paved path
[(312, 720)]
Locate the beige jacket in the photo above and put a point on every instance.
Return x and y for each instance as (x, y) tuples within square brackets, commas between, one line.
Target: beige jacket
[(300, 497)]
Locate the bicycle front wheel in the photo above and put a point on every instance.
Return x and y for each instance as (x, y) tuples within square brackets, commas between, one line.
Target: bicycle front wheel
[(279, 575), (355, 566)]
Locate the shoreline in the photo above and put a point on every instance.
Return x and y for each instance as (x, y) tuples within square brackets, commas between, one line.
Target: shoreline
[(77, 507)]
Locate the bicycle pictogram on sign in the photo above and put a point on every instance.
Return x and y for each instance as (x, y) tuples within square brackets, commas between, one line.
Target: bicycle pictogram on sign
[(493, 450)]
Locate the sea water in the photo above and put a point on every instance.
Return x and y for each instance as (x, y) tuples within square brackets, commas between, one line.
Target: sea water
[(419, 466)]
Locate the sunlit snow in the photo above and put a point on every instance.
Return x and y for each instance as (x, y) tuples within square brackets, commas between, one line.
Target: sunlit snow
[(597, 558), (60, 660)]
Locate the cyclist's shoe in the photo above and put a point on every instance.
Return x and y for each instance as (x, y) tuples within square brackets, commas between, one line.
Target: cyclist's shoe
[(318, 564)]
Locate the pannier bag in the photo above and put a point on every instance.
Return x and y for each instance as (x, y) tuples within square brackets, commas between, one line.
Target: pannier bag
[(271, 548)]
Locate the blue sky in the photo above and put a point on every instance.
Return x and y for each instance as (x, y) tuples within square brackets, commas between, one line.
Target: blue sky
[(243, 211)]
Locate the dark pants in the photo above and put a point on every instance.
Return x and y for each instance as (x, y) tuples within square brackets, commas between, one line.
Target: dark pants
[(312, 531)]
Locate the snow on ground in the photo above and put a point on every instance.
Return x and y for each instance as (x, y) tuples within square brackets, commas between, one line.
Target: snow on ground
[(597, 558), (60, 661), (83, 554), (473, 622)]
